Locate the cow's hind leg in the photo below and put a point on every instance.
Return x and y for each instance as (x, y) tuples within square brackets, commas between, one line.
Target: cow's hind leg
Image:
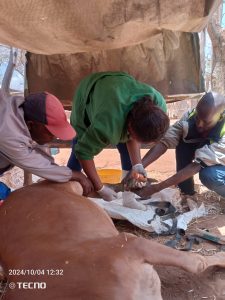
[(157, 254)]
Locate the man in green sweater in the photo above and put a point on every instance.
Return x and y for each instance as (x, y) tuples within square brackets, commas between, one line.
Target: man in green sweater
[(114, 108)]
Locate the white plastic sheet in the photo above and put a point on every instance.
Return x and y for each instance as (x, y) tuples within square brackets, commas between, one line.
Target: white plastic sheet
[(143, 216)]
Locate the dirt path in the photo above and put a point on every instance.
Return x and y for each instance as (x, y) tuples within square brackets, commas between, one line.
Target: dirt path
[(181, 285)]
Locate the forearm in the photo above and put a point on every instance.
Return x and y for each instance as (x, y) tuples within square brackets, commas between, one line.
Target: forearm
[(133, 148), (90, 171), (153, 154), (39, 165), (180, 176)]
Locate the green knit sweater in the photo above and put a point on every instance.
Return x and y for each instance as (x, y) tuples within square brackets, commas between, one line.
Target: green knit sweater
[(100, 107)]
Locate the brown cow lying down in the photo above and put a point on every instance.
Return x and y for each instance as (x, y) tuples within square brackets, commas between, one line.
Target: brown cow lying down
[(48, 229)]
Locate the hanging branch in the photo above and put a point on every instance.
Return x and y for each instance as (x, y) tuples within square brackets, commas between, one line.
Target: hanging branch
[(215, 32), (9, 72)]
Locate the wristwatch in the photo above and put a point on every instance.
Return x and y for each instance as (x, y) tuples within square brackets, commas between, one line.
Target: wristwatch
[(200, 162)]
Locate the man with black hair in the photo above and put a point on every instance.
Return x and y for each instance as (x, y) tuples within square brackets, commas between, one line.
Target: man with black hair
[(26, 125), (199, 139), (114, 108)]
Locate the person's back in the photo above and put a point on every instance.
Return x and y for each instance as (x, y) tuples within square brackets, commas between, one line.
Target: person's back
[(13, 131), (109, 95), (114, 108)]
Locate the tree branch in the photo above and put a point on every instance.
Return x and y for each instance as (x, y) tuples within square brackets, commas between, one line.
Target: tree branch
[(9, 71)]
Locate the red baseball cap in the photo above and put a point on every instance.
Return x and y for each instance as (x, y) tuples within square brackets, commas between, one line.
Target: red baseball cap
[(57, 122), (47, 109)]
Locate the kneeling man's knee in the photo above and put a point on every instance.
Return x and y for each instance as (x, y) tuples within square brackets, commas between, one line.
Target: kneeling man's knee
[(208, 177), (214, 178)]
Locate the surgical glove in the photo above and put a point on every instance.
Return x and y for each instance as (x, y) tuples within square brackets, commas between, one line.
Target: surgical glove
[(139, 169), (107, 194), (137, 178)]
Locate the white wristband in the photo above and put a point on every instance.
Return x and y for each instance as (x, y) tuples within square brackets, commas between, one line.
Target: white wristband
[(101, 189), (137, 165)]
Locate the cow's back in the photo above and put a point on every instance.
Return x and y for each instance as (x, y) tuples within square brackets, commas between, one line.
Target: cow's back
[(51, 218)]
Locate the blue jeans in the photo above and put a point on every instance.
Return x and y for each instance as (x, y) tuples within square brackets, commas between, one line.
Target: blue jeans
[(212, 177), (73, 162)]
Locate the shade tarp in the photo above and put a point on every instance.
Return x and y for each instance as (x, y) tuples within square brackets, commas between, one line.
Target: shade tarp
[(153, 40), (71, 26), (169, 61)]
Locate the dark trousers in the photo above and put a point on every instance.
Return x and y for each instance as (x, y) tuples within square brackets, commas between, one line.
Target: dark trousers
[(184, 155), (73, 162)]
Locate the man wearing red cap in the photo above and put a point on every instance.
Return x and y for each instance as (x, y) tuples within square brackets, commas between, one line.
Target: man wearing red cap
[(26, 125)]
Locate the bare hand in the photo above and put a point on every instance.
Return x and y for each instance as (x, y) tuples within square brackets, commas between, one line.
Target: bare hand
[(147, 191), (84, 181)]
